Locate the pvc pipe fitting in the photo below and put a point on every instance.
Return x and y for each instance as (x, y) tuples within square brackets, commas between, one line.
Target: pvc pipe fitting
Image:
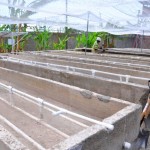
[(127, 145), (58, 112), (93, 72)]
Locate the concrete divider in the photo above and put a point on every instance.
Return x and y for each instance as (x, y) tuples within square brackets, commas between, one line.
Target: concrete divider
[(105, 68), (102, 62), (128, 59), (81, 99), (126, 65), (92, 72), (127, 91)]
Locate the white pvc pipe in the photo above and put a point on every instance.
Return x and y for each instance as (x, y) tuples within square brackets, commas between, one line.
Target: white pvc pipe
[(58, 112), (73, 69), (93, 72), (127, 78), (22, 133), (70, 119), (127, 145), (121, 80), (109, 62), (108, 126), (10, 94), (41, 109), (37, 119), (67, 68)]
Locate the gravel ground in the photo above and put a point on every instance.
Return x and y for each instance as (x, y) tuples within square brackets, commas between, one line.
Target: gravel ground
[(9, 140)]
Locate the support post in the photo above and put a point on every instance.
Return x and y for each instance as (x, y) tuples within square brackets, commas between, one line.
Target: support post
[(87, 30), (66, 28), (142, 41)]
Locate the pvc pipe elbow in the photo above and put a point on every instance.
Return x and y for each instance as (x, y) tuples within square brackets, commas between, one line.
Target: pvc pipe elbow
[(127, 145)]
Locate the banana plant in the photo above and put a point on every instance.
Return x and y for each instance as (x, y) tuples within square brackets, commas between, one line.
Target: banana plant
[(82, 41), (42, 39), (4, 46), (61, 43), (19, 13), (23, 42)]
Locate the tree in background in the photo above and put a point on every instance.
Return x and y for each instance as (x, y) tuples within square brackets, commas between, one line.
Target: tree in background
[(61, 44), (42, 39), (82, 41), (17, 13)]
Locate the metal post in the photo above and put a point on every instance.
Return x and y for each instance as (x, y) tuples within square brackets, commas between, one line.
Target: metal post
[(12, 42), (107, 40), (142, 37), (66, 28), (138, 17), (87, 31)]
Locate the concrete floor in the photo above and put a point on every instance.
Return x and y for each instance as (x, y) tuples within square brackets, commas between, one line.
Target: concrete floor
[(90, 96)]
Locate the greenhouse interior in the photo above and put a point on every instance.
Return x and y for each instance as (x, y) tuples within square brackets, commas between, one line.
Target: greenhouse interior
[(75, 75)]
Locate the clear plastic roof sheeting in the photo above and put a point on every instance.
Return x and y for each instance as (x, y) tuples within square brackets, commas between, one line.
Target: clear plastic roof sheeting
[(113, 16)]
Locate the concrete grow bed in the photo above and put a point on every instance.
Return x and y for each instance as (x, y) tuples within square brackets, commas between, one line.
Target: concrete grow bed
[(63, 135), (122, 90)]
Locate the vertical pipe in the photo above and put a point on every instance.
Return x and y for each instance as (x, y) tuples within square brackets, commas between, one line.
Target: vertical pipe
[(87, 30), (41, 109), (10, 95)]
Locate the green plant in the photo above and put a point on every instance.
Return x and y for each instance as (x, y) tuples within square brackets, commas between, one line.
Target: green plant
[(24, 41), (91, 38), (42, 39), (7, 48), (61, 43), (82, 40)]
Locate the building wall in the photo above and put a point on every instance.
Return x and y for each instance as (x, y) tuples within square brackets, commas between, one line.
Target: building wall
[(131, 41), (31, 45), (124, 42)]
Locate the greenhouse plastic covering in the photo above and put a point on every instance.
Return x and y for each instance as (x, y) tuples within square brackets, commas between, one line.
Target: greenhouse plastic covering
[(113, 16)]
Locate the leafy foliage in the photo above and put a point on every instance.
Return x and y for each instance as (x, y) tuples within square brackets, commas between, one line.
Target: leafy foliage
[(82, 41), (24, 41), (42, 39), (61, 43)]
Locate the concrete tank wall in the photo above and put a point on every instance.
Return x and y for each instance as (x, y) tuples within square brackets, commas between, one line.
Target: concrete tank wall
[(112, 69), (126, 91), (102, 140), (113, 111), (84, 100)]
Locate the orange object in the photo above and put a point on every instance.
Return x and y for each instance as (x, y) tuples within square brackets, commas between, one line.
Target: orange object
[(146, 110)]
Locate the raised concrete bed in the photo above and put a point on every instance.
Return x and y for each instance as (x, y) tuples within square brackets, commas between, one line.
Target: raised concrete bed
[(9, 61), (122, 90), (102, 108), (105, 68), (97, 61), (129, 59), (132, 51)]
